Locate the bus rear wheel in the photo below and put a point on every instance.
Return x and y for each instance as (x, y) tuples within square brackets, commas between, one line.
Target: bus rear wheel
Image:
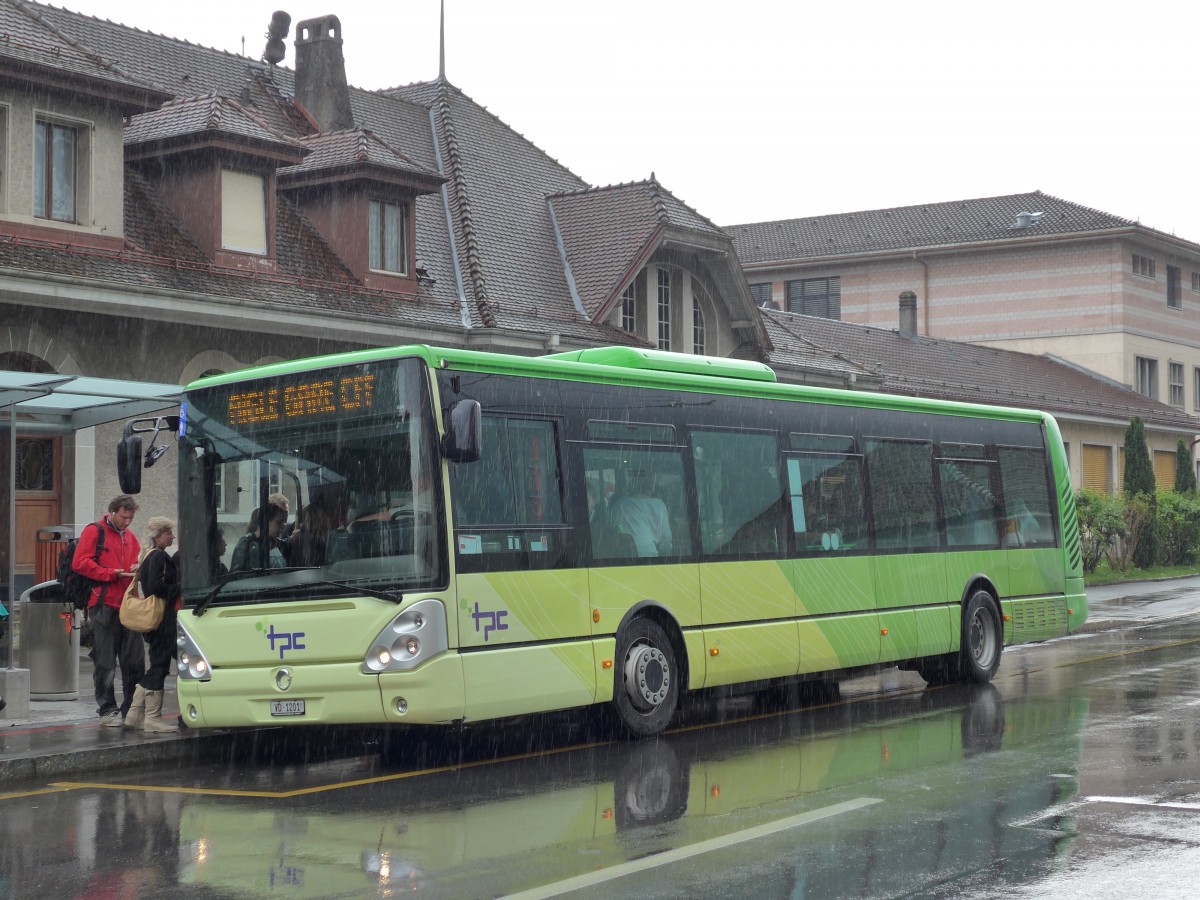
[(978, 656), (646, 688)]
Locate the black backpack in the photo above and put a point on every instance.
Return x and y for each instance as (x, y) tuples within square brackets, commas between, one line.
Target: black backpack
[(77, 588)]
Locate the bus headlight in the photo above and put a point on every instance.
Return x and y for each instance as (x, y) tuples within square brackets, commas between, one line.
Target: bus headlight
[(415, 635), (192, 664)]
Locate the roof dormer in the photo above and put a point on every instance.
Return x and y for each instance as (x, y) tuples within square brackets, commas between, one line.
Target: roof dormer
[(214, 162), (359, 193)]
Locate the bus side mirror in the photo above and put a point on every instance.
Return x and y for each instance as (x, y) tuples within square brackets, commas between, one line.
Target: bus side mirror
[(463, 442), (129, 461)]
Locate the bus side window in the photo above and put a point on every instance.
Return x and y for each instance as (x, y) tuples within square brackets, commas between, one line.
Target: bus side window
[(738, 492), (508, 504), (902, 495), (826, 502), (1026, 489)]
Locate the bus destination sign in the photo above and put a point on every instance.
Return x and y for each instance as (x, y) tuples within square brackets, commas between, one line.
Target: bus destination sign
[(306, 401)]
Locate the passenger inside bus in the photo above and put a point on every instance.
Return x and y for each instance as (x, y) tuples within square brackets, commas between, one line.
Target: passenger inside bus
[(644, 517), (321, 518)]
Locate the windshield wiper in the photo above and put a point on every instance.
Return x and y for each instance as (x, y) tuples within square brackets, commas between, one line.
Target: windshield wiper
[(229, 579), (392, 596)]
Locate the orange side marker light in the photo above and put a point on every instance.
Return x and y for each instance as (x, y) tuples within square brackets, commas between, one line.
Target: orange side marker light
[(595, 615), (883, 631), (715, 651), (607, 664)]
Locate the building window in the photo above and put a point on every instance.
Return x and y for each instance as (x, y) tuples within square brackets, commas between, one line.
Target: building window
[(1196, 282), (629, 309), (816, 297), (697, 329), (54, 171), (389, 237), (1097, 468), (664, 309), (1174, 292), (1196, 387), (1175, 386), (1143, 265), (243, 212), (762, 294), (1147, 377)]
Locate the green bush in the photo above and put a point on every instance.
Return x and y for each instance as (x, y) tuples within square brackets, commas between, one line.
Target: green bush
[(1101, 526), (1178, 528)]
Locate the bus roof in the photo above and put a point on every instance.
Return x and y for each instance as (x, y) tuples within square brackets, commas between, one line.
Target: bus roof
[(633, 366)]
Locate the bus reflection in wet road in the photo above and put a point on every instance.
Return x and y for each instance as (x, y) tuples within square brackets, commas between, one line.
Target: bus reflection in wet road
[(883, 789)]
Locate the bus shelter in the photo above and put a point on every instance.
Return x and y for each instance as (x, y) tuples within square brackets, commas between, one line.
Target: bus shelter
[(50, 403)]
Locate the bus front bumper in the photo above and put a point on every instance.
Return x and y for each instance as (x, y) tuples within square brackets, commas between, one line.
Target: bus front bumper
[(324, 694)]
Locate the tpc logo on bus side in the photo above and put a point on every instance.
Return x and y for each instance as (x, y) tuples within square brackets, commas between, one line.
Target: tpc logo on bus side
[(492, 619)]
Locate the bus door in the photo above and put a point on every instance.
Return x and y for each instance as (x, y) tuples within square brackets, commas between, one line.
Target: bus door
[(831, 572), (746, 588), (523, 611), (909, 568)]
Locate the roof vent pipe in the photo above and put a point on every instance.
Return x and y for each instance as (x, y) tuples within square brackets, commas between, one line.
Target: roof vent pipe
[(1025, 219), (908, 314)]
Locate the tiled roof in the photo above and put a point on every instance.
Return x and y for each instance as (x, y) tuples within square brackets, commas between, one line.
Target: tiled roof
[(197, 115), (485, 237), (28, 35), (605, 232), (913, 227), (353, 148), (929, 367)]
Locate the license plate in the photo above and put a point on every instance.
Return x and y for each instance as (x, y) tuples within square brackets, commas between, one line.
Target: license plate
[(287, 707)]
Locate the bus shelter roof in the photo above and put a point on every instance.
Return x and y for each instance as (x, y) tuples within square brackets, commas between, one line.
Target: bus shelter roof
[(61, 404)]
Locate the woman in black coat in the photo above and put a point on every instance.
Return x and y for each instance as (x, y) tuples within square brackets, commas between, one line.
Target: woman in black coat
[(158, 575)]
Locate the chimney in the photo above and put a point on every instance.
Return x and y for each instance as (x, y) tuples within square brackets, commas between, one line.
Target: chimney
[(908, 314), (321, 73)]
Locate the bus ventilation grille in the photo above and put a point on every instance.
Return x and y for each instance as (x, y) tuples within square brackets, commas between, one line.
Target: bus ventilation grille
[(1038, 617), (1070, 518)]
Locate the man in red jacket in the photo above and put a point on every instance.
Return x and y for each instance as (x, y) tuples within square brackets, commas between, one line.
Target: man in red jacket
[(113, 644)]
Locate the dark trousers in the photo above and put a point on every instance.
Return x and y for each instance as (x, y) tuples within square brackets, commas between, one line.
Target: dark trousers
[(114, 646), (161, 643)]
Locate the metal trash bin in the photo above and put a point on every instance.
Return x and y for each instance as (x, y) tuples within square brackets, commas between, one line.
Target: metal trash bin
[(48, 545), (49, 643)]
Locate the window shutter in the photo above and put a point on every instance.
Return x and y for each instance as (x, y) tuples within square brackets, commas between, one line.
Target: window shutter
[(1095, 468), (1164, 469), (243, 212)]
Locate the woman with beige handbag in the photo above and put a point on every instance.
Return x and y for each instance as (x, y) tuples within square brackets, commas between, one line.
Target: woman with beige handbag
[(158, 576)]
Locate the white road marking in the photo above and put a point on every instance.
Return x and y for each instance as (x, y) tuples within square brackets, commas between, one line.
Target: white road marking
[(680, 853)]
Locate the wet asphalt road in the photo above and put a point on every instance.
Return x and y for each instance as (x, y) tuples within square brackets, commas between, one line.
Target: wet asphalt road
[(1075, 774)]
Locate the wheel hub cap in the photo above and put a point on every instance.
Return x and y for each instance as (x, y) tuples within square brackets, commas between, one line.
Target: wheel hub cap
[(647, 676)]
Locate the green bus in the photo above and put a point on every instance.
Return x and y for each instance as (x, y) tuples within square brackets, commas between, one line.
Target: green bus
[(479, 536)]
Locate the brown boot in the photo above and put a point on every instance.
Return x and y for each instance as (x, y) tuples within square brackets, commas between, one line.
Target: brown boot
[(154, 722), (137, 709)]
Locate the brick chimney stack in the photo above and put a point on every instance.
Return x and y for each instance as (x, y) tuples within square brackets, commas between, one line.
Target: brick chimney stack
[(321, 73)]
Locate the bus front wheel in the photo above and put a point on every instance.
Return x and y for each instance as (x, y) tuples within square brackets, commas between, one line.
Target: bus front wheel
[(646, 689)]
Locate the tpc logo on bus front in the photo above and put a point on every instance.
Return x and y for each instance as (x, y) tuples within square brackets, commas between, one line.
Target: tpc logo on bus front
[(282, 641)]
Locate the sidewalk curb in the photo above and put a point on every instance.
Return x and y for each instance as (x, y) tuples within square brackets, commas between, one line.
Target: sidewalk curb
[(72, 763)]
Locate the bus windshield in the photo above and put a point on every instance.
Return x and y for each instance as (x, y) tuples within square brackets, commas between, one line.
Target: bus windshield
[(311, 484)]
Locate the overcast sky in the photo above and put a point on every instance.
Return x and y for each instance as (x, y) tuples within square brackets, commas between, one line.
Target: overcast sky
[(755, 110)]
